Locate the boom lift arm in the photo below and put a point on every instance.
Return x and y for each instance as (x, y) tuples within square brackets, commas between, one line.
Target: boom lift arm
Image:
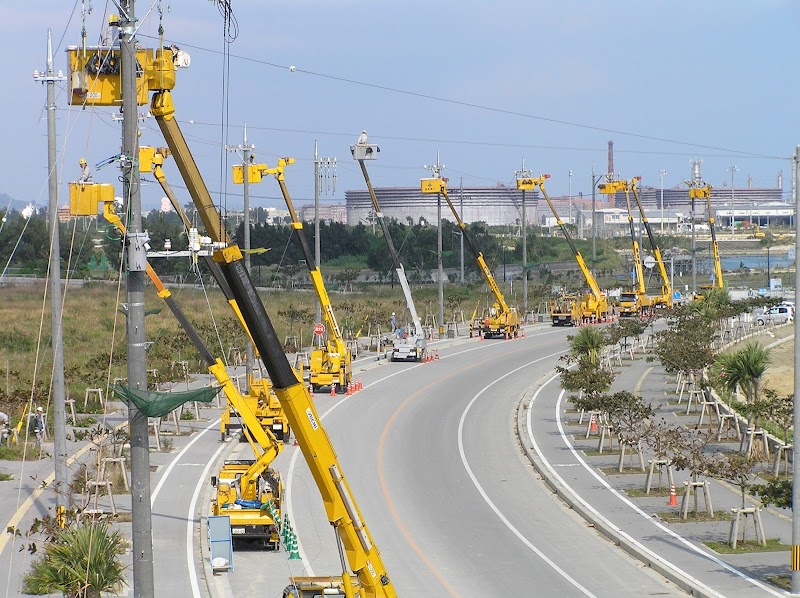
[(704, 192), (440, 186), (356, 546), (611, 188), (265, 446), (365, 152), (587, 274), (666, 286), (339, 350)]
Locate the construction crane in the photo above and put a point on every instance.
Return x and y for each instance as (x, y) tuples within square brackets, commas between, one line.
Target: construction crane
[(408, 347), (242, 485), (637, 302), (499, 320), (331, 363), (665, 299), (593, 306), (703, 191)]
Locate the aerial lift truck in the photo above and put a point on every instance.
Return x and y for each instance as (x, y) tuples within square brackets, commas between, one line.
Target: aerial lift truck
[(411, 346), (242, 485), (636, 302), (363, 571), (665, 300), (593, 306), (499, 320)]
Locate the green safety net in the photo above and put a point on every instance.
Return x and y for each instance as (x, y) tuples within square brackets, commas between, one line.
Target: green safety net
[(156, 404)]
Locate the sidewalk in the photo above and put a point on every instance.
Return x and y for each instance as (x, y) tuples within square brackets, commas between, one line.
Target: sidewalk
[(588, 481)]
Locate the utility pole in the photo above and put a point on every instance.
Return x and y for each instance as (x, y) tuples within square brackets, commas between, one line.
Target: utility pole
[(247, 158), (694, 251), (324, 174), (524, 174), (594, 219), (436, 169), (461, 233), (136, 253), (570, 196), (733, 169), (59, 409), (661, 174), (795, 554)]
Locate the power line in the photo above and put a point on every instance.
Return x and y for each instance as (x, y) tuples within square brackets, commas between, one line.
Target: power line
[(466, 104)]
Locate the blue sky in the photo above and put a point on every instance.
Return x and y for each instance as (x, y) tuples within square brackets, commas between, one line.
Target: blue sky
[(485, 84)]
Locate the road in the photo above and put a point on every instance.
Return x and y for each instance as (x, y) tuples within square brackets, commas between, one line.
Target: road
[(432, 457)]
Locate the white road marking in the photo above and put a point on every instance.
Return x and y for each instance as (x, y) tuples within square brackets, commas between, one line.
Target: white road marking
[(630, 504), (485, 496), (176, 459), (287, 500), (190, 523)]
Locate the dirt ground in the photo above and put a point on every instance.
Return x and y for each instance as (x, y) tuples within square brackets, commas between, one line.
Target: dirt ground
[(780, 374)]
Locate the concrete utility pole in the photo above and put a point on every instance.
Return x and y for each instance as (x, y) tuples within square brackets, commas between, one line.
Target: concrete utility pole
[(136, 253), (594, 219), (436, 169), (694, 251), (661, 174), (795, 564), (247, 157), (59, 410), (524, 174), (733, 169), (461, 233), (570, 196), (324, 173)]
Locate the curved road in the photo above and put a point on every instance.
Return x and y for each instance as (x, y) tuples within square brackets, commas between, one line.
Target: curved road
[(432, 458)]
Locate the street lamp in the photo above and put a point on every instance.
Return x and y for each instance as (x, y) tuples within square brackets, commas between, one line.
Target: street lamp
[(661, 174), (570, 196)]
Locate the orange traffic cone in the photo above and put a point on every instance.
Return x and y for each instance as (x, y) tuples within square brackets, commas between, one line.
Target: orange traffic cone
[(359, 385), (593, 423), (333, 389), (349, 388), (436, 355), (673, 498)]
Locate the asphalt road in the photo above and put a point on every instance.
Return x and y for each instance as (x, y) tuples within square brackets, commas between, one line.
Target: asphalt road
[(432, 457)]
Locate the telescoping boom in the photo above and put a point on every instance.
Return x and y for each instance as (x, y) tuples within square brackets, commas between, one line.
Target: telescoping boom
[(499, 320), (703, 191), (666, 286), (410, 346), (595, 305)]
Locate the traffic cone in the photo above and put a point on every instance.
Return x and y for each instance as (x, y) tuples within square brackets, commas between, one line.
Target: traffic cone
[(673, 498), (333, 389), (349, 388), (436, 355), (593, 423)]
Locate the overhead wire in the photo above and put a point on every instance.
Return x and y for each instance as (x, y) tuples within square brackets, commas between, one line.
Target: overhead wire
[(483, 107)]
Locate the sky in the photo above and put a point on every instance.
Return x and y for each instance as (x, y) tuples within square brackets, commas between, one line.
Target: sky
[(483, 85)]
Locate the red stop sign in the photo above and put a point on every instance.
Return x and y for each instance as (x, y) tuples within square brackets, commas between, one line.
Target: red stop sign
[(319, 329)]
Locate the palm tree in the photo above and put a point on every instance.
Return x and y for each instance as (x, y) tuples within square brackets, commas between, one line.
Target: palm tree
[(744, 369), (587, 345)]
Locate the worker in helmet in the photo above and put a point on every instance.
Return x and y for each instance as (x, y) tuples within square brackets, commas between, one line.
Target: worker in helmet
[(86, 174), (393, 322)]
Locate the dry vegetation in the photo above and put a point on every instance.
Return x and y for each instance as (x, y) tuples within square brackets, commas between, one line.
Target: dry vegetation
[(94, 330)]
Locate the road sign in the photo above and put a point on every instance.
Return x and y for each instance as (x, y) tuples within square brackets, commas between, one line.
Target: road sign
[(649, 262), (319, 329)]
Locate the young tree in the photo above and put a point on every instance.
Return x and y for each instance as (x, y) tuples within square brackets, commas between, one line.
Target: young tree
[(691, 455), (587, 345), (629, 417)]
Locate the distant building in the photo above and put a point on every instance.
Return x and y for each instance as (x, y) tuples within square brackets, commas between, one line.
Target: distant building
[(64, 215), (327, 212), (497, 206)]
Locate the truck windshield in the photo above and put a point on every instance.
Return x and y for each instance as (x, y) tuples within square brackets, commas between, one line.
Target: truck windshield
[(628, 297)]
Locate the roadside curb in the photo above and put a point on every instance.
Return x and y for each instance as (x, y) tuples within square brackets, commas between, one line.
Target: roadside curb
[(601, 524)]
